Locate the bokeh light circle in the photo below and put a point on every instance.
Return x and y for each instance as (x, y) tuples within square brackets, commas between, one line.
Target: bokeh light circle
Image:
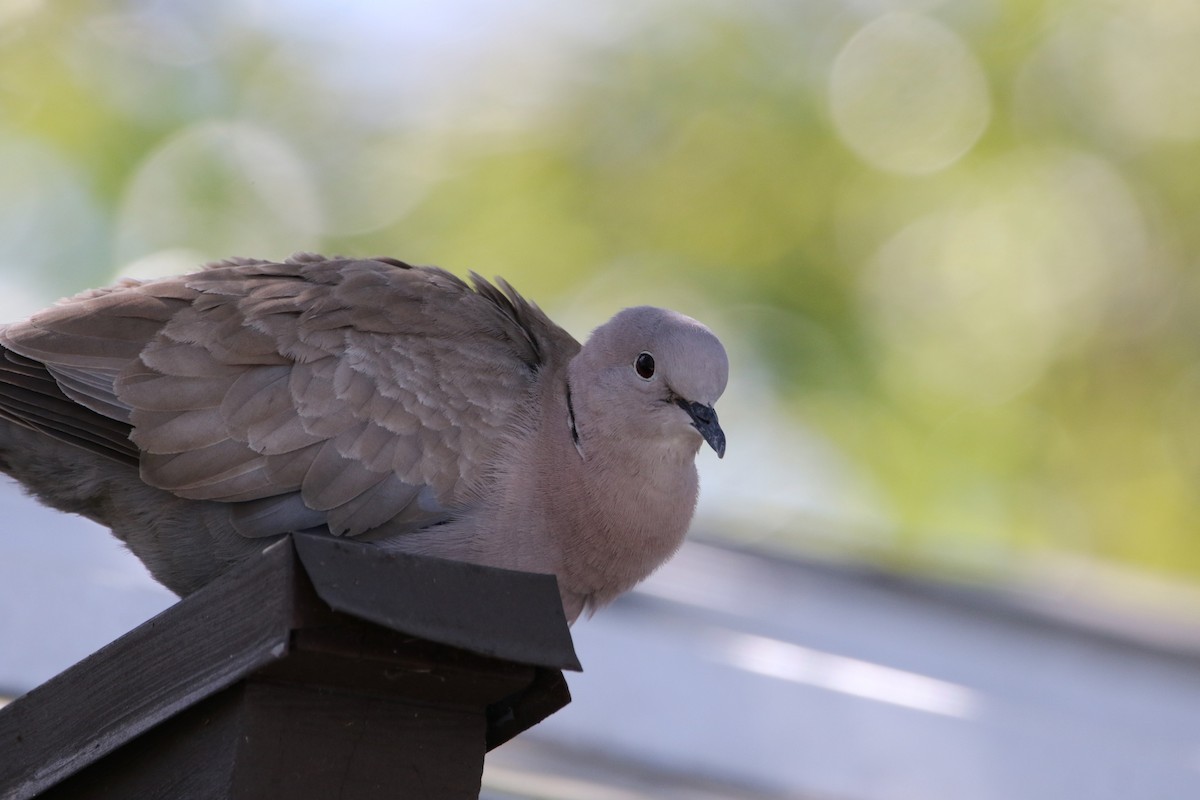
[(907, 95), (222, 189), (973, 302)]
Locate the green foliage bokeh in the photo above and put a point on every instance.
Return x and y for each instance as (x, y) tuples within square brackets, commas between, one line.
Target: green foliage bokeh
[(962, 234)]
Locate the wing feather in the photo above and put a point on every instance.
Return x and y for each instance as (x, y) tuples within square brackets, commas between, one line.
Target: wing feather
[(356, 394)]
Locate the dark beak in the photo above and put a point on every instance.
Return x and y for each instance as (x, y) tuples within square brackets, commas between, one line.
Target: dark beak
[(704, 419)]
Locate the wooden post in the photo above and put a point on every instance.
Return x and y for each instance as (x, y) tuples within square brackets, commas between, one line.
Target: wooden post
[(321, 668)]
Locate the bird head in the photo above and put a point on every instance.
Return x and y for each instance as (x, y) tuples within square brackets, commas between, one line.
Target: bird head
[(661, 371)]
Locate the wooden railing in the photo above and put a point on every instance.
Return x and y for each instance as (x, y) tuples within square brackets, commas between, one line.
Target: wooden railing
[(320, 668)]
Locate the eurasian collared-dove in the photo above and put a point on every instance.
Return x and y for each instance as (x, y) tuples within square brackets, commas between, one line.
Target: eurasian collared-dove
[(196, 416)]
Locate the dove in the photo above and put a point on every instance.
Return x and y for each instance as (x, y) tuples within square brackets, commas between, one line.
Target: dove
[(199, 417)]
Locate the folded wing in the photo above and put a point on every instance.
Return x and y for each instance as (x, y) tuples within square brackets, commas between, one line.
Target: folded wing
[(355, 394)]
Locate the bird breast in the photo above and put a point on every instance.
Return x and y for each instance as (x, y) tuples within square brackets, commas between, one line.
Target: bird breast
[(627, 511)]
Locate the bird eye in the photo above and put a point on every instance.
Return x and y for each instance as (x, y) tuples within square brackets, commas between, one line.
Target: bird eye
[(644, 366)]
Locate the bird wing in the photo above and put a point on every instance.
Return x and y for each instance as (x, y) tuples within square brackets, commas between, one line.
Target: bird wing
[(355, 394)]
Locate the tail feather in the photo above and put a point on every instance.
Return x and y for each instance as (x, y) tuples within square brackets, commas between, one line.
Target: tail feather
[(30, 397)]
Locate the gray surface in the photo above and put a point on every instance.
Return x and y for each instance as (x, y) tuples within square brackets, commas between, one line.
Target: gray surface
[(793, 679), (745, 675), (67, 588)]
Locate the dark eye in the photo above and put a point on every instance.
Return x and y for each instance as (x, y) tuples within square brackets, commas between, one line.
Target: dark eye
[(644, 365)]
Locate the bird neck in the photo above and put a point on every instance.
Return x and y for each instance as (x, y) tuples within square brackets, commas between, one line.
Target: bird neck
[(608, 509), (626, 501)]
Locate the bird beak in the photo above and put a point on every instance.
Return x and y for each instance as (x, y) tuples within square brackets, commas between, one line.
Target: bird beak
[(704, 419)]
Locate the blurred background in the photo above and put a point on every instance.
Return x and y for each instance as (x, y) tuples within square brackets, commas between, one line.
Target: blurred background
[(951, 247)]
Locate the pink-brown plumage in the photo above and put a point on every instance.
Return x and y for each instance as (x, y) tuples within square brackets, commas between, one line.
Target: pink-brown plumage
[(198, 415)]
